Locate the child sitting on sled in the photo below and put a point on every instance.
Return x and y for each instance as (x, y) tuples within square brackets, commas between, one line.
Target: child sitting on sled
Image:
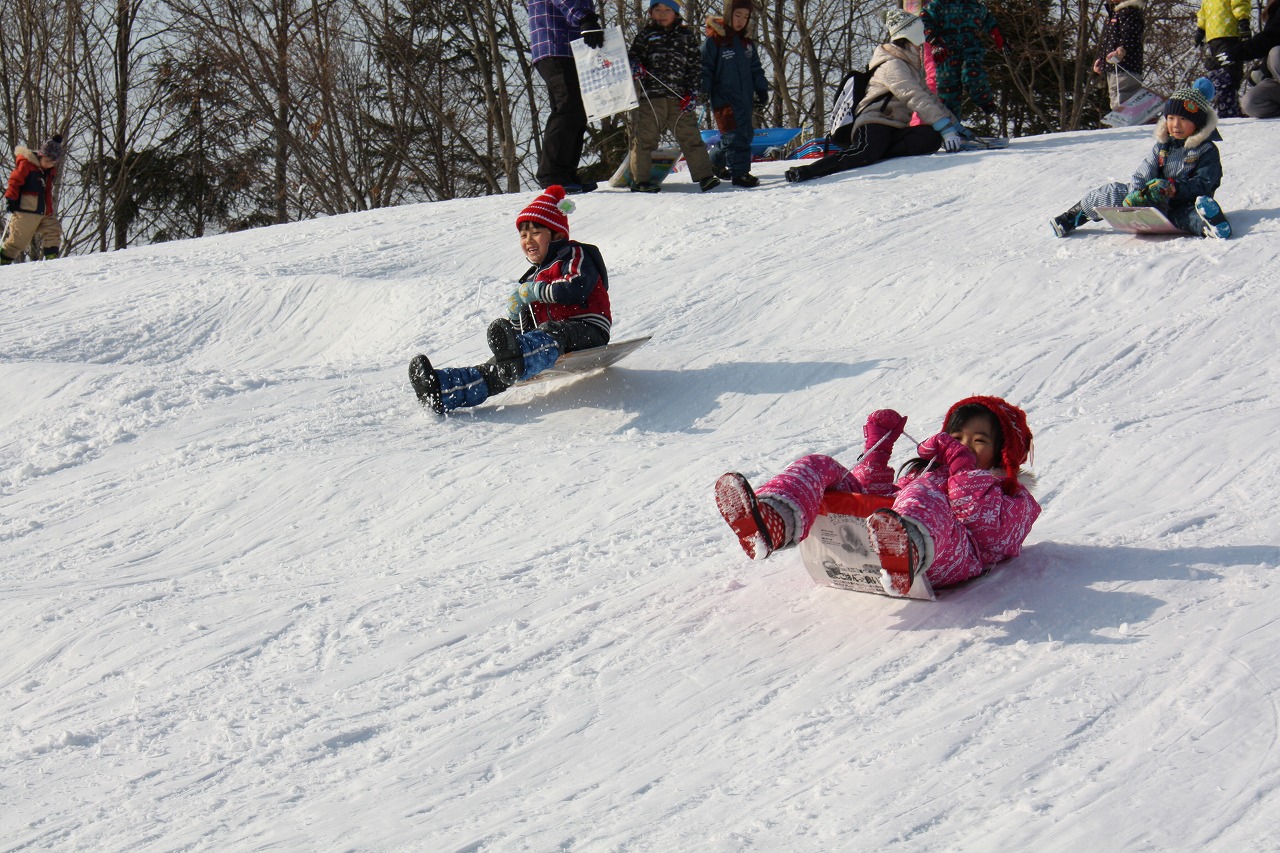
[(560, 305), (1178, 177), (960, 505)]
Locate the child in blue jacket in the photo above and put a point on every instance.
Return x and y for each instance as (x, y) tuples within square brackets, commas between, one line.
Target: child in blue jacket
[(1179, 176), (734, 80)]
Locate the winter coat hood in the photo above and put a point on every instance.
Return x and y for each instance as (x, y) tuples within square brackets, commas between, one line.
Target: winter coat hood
[(22, 152), (1128, 4)]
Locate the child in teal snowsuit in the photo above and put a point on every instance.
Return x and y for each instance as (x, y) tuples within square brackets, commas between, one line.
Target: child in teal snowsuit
[(955, 29)]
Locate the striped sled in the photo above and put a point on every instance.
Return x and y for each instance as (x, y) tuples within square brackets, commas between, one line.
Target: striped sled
[(837, 552), (586, 360), (1139, 220)]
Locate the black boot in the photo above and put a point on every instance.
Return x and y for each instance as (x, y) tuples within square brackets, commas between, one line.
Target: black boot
[(426, 384), (51, 253), (508, 358), (1067, 222), (5, 260)]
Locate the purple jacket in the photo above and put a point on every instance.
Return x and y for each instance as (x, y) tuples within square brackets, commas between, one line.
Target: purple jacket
[(555, 23)]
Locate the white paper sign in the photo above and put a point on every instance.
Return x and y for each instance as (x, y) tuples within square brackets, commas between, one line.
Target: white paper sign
[(604, 75)]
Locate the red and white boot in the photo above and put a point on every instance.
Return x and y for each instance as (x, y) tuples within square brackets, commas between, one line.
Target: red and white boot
[(759, 528), (905, 548)]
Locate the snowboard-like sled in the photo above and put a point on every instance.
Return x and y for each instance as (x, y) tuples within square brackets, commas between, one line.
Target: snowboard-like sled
[(586, 360), (663, 164), (839, 551), (1139, 220), (974, 142), (1142, 108)]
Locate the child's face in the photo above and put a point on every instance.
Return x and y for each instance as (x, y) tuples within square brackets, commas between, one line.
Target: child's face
[(47, 162), (741, 17), (534, 241), (663, 16), (979, 435), (1179, 127)]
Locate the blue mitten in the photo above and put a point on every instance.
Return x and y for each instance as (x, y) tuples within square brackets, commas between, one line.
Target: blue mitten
[(520, 297)]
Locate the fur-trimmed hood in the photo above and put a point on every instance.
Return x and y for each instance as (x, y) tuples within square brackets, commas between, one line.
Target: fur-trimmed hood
[(1195, 140), (22, 152), (1128, 4)]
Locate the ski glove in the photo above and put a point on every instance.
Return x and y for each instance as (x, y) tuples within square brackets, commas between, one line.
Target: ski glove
[(884, 426), (998, 38), (950, 130), (1155, 193), (762, 99), (689, 102), (10, 205), (1199, 35), (949, 452), (1246, 31), (592, 35)]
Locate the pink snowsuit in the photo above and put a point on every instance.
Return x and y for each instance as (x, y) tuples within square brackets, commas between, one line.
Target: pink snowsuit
[(974, 524)]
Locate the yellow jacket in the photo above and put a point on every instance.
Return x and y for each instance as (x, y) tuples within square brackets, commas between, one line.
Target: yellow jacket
[(1221, 18)]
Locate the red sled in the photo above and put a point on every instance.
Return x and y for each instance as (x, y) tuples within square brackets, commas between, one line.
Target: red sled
[(838, 551)]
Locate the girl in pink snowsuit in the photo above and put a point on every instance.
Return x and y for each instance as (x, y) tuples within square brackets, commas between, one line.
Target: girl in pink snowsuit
[(960, 505)]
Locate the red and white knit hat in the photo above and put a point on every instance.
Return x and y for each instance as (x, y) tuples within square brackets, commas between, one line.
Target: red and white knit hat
[(551, 209), (1014, 431)]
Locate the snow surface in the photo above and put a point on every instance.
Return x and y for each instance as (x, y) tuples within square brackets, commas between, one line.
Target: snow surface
[(256, 598)]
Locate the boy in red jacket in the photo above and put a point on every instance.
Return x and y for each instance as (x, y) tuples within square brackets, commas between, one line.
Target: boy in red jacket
[(29, 199), (560, 305)]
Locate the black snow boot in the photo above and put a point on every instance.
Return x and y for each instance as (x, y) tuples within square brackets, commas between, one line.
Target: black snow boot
[(508, 358), (1067, 222)]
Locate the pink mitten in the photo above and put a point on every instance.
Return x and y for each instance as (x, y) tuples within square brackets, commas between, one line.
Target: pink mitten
[(949, 452), (882, 429)]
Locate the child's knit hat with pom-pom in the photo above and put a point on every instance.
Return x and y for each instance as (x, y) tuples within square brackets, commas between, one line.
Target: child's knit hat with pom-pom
[(1013, 430), (551, 209), (1193, 103)]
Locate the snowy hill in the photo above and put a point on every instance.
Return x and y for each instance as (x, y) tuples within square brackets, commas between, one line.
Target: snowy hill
[(257, 599)]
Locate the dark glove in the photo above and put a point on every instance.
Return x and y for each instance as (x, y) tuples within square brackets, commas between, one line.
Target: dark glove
[(1246, 31), (1212, 62), (592, 34), (762, 99), (10, 205), (1199, 35), (949, 452)]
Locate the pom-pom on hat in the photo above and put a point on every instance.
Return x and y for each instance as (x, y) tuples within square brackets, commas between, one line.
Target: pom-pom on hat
[(550, 209), (1014, 431), (52, 147), (1192, 103)]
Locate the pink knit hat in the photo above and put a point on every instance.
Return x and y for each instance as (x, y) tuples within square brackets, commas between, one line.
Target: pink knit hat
[(1014, 431), (551, 209)]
